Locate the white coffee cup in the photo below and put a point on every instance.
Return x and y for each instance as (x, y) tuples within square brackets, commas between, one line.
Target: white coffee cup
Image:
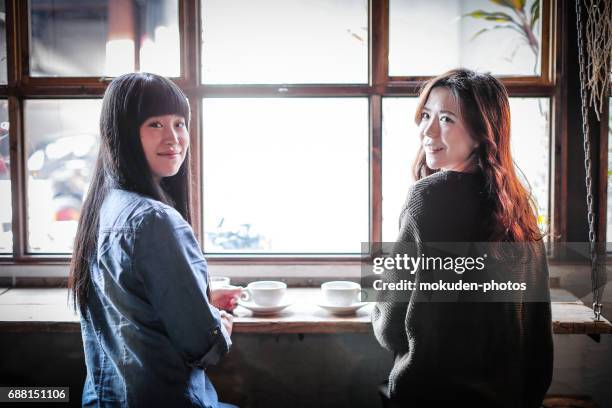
[(341, 293), (264, 293), (219, 281)]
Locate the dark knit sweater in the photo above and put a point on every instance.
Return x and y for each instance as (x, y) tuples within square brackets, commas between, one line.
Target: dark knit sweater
[(487, 354)]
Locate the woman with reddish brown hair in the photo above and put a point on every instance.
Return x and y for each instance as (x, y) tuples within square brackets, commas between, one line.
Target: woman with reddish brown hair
[(487, 351)]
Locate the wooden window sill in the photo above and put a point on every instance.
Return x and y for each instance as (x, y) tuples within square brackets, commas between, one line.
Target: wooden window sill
[(46, 310)]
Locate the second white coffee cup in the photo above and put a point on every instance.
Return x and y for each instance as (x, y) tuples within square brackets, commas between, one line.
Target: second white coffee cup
[(264, 293), (340, 293)]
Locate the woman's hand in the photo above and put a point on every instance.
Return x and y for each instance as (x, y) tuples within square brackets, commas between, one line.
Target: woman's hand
[(225, 297), (228, 321)]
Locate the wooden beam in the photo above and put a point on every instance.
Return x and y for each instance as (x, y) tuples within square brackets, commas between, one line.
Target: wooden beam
[(376, 176), (559, 128)]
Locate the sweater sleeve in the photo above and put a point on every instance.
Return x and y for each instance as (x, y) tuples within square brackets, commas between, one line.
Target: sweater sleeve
[(389, 314)]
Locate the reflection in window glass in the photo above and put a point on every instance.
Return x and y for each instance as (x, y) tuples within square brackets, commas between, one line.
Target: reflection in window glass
[(285, 175), (103, 37), (3, 60), (529, 143), (61, 147), (6, 233), (430, 37), (284, 41)]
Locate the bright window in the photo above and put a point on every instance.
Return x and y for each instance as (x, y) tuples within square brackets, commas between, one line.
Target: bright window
[(302, 112), (104, 37), (62, 143), (427, 36), (285, 175), (300, 42)]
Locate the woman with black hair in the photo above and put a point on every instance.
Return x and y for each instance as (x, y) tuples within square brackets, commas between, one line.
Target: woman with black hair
[(138, 276)]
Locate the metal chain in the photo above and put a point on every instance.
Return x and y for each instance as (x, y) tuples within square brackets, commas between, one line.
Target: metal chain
[(597, 306)]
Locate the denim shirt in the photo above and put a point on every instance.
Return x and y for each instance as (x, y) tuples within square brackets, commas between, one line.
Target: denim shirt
[(149, 330)]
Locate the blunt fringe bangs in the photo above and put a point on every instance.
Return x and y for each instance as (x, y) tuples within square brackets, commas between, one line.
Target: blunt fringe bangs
[(161, 97)]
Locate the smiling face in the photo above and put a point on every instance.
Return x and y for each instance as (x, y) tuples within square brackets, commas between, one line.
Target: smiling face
[(444, 136), (165, 141)]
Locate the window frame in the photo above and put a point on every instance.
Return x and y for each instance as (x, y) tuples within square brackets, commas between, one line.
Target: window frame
[(602, 187), (22, 86)]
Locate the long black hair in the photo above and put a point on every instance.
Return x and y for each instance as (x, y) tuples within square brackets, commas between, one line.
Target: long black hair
[(129, 100)]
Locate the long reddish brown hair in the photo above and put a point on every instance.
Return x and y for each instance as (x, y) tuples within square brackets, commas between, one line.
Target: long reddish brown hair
[(485, 111)]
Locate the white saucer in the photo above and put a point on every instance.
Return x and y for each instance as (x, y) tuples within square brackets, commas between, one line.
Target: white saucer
[(263, 310), (342, 310)]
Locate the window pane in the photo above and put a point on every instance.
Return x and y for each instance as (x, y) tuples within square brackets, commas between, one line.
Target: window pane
[(529, 143), (429, 37), (284, 41), (285, 175), (62, 143), (103, 37), (6, 233), (3, 60), (400, 142)]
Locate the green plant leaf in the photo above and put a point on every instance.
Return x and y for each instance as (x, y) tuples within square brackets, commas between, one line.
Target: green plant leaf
[(496, 27), (490, 16), (535, 13), (609, 172), (484, 30), (476, 14), (504, 3)]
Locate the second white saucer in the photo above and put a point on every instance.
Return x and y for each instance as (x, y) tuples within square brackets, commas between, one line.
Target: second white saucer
[(343, 310), (263, 310)]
